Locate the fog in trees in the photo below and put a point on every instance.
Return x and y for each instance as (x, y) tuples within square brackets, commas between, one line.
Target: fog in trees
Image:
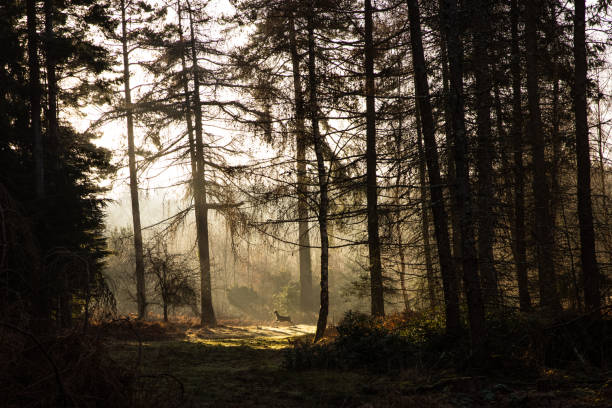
[(308, 188)]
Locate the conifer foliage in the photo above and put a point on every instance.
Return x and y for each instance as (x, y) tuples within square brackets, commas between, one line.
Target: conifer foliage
[(449, 145), (52, 199)]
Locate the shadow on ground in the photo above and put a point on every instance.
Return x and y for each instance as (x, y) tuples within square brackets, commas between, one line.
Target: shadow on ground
[(242, 366), (239, 367)]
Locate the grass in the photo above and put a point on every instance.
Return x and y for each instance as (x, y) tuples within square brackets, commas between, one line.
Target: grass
[(243, 372), (243, 367)]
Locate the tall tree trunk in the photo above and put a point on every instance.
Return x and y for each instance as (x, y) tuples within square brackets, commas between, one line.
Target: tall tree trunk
[(450, 160), (138, 252), (306, 298), (576, 302), (449, 277), (53, 175), (35, 94), (207, 317), (188, 119), (453, 26), (52, 127), (40, 303), (590, 272), (555, 167), (376, 283), (555, 196), (520, 249), (482, 34), (188, 108), (402, 260), (322, 176), (399, 136), (425, 203), (549, 297), (51, 76), (602, 172), (504, 147), (600, 150)]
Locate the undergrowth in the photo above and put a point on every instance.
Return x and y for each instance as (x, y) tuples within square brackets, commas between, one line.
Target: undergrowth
[(517, 344), (74, 369), (377, 344)]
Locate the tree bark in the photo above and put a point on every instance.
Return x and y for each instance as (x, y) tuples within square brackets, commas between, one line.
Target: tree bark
[(555, 195), (425, 204), (376, 283), (207, 317), (549, 298), (190, 131), (39, 298), (138, 251), (188, 107), (453, 26), (322, 176), (399, 136), (306, 298), (449, 277), (52, 147), (481, 15), (590, 272), (450, 161), (402, 260), (520, 248), (576, 302), (35, 94), (601, 155), (52, 127), (602, 172), (555, 166)]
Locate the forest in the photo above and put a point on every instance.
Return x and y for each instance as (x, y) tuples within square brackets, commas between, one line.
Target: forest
[(306, 203)]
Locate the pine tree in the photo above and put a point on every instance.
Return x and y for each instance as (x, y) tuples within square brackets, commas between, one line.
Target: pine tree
[(590, 272)]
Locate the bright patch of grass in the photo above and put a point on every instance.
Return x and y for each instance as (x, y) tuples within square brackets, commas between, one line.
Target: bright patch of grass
[(245, 367), (241, 372)]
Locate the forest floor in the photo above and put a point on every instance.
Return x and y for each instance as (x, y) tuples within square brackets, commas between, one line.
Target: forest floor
[(242, 366)]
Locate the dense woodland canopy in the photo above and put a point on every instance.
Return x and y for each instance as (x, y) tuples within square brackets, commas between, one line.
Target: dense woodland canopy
[(444, 157)]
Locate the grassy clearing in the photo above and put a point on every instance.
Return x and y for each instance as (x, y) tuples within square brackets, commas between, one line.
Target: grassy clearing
[(241, 371), (243, 367)]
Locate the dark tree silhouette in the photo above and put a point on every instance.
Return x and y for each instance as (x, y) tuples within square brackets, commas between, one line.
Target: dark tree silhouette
[(590, 272)]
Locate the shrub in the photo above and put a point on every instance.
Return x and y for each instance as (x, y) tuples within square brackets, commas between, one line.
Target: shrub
[(560, 342), (516, 343), (372, 343), (287, 299), (67, 370)]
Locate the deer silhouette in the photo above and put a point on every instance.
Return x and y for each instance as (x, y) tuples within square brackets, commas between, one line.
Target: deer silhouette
[(281, 318)]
